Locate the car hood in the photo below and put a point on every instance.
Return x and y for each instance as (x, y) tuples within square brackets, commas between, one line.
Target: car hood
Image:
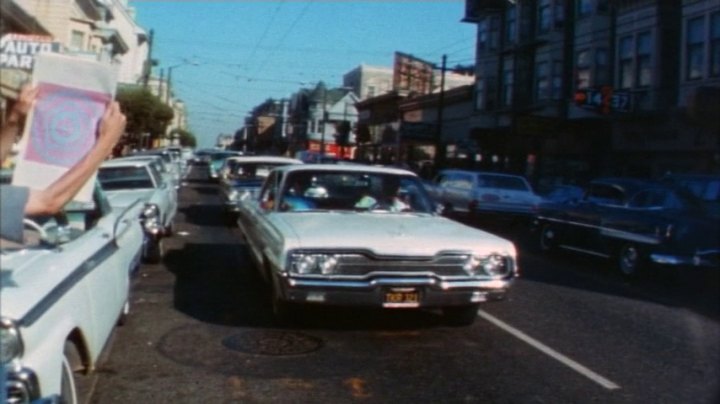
[(124, 198), (27, 276), (387, 233)]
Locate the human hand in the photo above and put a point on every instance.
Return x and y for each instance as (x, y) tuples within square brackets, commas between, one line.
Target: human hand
[(25, 100), (112, 125)]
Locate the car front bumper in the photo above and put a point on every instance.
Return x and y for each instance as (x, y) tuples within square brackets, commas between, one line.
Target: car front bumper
[(704, 259), (374, 292)]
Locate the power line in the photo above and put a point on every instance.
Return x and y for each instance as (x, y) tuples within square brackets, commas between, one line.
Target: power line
[(282, 39)]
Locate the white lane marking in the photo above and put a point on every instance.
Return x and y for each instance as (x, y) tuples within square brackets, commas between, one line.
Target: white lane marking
[(550, 352)]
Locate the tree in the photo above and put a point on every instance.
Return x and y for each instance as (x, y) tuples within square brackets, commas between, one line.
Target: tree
[(187, 139), (145, 112)]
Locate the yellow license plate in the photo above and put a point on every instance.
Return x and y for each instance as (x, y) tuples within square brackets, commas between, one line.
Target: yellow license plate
[(404, 298)]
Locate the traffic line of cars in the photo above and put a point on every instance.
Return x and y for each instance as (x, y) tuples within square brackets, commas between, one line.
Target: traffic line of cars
[(639, 224), (64, 289)]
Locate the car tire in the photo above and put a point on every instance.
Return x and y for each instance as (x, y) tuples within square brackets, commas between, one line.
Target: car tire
[(74, 386), (459, 316), (155, 251), (284, 313), (629, 260), (547, 239)]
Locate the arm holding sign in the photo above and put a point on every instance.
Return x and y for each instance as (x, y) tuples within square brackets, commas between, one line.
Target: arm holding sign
[(18, 201), (53, 198)]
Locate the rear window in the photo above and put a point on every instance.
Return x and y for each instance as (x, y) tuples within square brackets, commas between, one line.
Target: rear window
[(116, 178), (502, 182)]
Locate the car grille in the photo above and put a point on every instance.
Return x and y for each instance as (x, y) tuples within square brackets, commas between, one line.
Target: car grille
[(359, 265)]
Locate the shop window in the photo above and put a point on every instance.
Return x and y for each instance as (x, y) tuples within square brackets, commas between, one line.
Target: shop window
[(584, 8), (542, 81), (695, 58), (77, 40), (507, 83), (557, 79), (625, 61), (715, 45), (511, 24), (643, 76), (602, 71), (482, 41), (544, 17), (582, 68)]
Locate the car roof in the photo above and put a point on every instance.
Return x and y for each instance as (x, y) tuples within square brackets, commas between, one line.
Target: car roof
[(359, 168), (477, 172), (123, 162), (264, 159)]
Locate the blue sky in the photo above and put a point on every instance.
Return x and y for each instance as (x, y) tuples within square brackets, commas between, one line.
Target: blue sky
[(236, 54)]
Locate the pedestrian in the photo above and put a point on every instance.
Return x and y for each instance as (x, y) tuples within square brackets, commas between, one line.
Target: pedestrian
[(16, 202)]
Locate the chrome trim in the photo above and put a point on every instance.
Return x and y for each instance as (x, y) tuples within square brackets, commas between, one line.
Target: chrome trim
[(68, 283), (386, 281), (22, 382), (606, 231)]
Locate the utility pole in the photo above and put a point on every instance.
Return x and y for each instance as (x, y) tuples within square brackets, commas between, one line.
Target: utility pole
[(324, 123), (439, 145), (147, 71)]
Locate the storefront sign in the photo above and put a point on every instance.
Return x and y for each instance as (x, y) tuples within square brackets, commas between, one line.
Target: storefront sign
[(603, 99), (17, 51)]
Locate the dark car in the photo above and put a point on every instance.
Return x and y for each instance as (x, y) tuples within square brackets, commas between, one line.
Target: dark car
[(639, 224), (705, 186)]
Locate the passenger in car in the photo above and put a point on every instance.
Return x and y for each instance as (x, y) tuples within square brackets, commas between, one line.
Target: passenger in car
[(17, 202)]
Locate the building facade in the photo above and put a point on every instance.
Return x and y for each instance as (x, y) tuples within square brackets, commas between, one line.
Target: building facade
[(570, 89)]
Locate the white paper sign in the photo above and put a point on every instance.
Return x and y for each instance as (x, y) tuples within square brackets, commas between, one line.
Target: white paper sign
[(62, 125)]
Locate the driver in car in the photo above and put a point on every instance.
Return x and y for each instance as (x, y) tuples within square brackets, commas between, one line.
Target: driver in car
[(389, 198)]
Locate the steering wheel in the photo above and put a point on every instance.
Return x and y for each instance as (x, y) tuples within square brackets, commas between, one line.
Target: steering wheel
[(35, 226)]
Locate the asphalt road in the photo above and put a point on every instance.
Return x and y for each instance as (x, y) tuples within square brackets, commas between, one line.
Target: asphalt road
[(572, 331)]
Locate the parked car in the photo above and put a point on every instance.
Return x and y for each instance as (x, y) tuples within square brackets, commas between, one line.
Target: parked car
[(485, 193), (173, 166), (62, 292), (217, 159), (637, 223), (241, 178), (128, 180), (563, 193), (369, 236), (166, 170), (704, 186)]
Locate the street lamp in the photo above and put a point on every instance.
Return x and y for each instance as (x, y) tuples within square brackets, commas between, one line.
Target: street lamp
[(169, 77)]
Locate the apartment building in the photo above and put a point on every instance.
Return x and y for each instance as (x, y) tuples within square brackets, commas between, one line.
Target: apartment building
[(571, 89)]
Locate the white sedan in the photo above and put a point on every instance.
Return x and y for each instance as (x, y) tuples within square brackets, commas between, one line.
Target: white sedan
[(126, 181), (62, 292), (369, 236)]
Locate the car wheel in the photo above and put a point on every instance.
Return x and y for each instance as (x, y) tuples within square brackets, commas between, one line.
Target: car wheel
[(460, 315), (548, 238), (74, 386), (284, 313), (629, 260), (154, 252)]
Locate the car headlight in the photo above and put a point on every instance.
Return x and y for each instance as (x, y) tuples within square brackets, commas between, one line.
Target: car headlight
[(233, 195), (307, 264), (151, 211), (11, 346), (494, 265)]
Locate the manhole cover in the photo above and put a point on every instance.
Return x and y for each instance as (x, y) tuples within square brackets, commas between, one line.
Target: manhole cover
[(272, 343)]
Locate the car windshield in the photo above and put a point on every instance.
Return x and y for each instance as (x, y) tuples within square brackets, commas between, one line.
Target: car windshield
[(118, 178), (354, 191), (256, 171)]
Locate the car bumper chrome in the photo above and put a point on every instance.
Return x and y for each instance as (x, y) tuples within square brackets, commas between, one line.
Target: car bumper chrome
[(431, 292), (709, 259), (21, 386)]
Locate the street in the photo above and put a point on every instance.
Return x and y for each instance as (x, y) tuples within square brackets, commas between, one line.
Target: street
[(572, 330)]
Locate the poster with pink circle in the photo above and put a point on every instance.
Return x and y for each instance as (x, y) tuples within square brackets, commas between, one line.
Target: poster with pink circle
[(64, 124)]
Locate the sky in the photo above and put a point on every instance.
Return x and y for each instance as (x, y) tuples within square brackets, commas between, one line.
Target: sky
[(230, 56)]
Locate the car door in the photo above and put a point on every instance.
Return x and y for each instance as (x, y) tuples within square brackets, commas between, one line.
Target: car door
[(504, 193), (588, 215), (103, 254)]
